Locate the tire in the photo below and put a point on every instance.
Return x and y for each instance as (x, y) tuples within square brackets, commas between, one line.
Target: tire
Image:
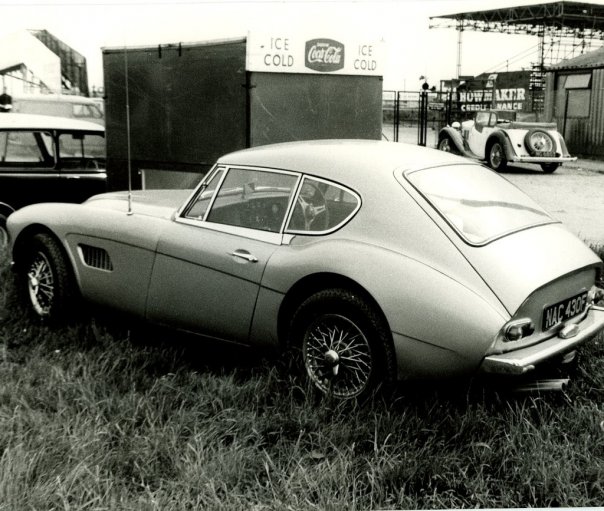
[(3, 232), (328, 329), (539, 143), (496, 156), (446, 144), (549, 168), (46, 279)]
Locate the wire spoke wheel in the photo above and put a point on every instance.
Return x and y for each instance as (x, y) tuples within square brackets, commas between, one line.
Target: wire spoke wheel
[(41, 284), (337, 356), (46, 279)]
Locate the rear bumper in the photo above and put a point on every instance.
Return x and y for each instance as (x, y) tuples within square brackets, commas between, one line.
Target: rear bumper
[(524, 360), (542, 159)]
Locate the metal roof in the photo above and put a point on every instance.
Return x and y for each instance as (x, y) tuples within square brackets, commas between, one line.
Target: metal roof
[(564, 17), (46, 122)]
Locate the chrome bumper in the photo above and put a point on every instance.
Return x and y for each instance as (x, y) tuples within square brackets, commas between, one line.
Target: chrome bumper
[(542, 159), (523, 360)]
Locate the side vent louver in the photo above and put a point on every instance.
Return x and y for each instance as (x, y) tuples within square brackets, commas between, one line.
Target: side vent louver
[(96, 257)]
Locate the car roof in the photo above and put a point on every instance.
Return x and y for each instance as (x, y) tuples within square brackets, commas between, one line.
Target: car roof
[(342, 160), (34, 121)]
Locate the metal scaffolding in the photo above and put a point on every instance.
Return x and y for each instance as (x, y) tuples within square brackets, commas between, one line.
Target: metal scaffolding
[(565, 29)]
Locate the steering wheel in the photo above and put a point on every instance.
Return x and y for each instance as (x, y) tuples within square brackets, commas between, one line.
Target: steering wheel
[(314, 207)]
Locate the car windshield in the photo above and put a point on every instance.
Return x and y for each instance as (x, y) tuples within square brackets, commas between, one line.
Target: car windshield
[(479, 204)]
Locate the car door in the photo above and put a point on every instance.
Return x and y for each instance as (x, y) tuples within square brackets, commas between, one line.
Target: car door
[(210, 262), (27, 167)]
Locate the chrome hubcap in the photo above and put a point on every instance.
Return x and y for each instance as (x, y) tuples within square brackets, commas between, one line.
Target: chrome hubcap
[(337, 356), (40, 280)]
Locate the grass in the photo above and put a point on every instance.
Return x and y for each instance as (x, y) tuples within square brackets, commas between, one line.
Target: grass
[(92, 418)]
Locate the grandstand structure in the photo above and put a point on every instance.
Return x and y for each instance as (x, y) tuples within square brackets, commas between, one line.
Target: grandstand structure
[(565, 29)]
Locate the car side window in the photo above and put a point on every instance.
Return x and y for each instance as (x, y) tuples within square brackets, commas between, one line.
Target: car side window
[(26, 148), (321, 206), (199, 207), (252, 198), (81, 145)]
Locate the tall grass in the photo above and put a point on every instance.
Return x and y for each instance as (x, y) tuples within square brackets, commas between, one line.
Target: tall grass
[(95, 418)]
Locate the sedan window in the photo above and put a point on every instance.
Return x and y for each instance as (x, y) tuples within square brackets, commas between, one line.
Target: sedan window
[(255, 199), (81, 145), (26, 147), (477, 203)]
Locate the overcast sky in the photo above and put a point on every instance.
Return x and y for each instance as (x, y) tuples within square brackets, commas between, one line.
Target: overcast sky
[(412, 48)]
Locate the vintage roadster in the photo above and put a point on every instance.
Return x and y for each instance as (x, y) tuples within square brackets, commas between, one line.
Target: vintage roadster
[(366, 260), (496, 137)]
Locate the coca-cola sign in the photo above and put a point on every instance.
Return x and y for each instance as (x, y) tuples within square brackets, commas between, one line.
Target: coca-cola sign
[(324, 55)]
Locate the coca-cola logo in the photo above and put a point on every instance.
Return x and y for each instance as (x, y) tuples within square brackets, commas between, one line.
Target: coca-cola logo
[(324, 55)]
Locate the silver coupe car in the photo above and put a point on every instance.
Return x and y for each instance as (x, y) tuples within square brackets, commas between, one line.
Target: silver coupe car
[(370, 261)]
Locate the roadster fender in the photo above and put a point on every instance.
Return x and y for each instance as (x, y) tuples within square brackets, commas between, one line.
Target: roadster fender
[(457, 140)]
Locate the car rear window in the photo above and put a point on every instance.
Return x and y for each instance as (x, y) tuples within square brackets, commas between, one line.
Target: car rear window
[(479, 204)]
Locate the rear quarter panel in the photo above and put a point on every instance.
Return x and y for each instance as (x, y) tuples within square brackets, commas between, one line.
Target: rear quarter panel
[(423, 306)]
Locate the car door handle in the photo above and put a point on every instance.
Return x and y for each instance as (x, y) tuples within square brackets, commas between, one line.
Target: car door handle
[(244, 254)]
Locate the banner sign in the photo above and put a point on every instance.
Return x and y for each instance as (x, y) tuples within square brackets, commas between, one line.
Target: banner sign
[(279, 53), (500, 91)]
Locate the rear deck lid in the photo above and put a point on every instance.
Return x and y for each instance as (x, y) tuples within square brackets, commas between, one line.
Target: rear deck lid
[(512, 243)]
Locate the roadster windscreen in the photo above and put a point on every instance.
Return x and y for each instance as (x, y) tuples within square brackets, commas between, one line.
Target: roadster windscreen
[(479, 204)]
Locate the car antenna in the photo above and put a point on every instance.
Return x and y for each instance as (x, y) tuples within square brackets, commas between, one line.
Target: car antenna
[(128, 132)]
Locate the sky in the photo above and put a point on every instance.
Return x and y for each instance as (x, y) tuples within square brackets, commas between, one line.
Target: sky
[(412, 49)]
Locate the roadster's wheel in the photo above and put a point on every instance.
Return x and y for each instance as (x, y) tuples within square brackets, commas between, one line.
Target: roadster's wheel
[(46, 278), (548, 168), (346, 347), (496, 156), (446, 144)]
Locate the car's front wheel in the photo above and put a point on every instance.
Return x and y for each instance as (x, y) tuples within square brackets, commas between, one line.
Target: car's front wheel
[(3, 232), (344, 343), (548, 168), (496, 156), (46, 279), (446, 144)]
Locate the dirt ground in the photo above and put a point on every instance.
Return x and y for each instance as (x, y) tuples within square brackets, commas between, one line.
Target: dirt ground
[(574, 194)]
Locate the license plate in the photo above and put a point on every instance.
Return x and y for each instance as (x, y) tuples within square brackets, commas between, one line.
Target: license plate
[(557, 313)]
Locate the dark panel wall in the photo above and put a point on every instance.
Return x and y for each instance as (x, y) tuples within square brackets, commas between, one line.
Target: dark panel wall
[(187, 107), (286, 107)]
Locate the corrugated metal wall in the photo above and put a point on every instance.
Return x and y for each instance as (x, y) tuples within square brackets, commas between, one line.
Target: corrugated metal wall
[(584, 135)]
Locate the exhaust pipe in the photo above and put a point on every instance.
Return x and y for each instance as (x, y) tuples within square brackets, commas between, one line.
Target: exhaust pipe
[(554, 384)]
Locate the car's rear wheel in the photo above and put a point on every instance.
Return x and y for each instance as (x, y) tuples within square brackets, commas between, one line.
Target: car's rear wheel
[(447, 145), (496, 156), (344, 344), (46, 279), (548, 168)]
